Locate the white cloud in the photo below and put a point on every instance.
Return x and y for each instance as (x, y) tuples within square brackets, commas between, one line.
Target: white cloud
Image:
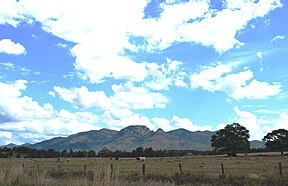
[(13, 105), (237, 86), (98, 66), (9, 47), (188, 124), (51, 93), (117, 109), (258, 127), (99, 47), (99, 52), (282, 96), (4, 134), (61, 45), (249, 121), (278, 37), (129, 96), (178, 122), (82, 98), (23, 114), (126, 96), (162, 123), (161, 77), (101, 44), (196, 22), (207, 78), (282, 122), (257, 90), (7, 66), (5, 137), (120, 118), (9, 13), (14, 68)]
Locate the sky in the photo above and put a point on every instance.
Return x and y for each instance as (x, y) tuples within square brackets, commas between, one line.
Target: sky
[(68, 66)]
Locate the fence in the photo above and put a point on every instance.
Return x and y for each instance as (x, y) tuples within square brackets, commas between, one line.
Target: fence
[(169, 166)]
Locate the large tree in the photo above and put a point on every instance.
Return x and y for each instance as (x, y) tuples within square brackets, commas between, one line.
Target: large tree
[(232, 139), (277, 140)]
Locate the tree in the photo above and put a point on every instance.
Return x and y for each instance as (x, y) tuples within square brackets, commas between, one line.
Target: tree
[(105, 152), (277, 140), (232, 139), (64, 153), (91, 153)]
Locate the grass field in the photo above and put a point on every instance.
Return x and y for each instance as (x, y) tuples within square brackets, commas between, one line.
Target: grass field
[(251, 169)]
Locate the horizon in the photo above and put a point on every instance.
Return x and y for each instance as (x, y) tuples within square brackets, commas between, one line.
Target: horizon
[(72, 66), (117, 131)]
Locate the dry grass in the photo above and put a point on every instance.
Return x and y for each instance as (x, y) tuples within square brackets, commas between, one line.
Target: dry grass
[(18, 176), (202, 170)]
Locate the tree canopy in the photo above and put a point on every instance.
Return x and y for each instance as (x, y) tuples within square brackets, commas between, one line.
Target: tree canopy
[(277, 140), (232, 139)]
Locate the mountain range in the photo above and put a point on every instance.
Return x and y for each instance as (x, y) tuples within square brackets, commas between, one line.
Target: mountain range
[(131, 137)]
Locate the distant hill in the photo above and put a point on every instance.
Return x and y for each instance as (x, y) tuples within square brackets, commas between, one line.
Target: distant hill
[(10, 145), (95, 139), (256, 144), (130, 138)]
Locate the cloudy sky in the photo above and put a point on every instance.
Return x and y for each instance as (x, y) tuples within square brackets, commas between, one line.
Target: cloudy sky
[(68, 66)]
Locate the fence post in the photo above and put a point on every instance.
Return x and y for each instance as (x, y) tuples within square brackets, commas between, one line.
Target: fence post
[(143, 169), (85, 170), (59, 167), (38, 170), (180, 168), (280, 169), (38, 174), (111, 170), (222, 168)]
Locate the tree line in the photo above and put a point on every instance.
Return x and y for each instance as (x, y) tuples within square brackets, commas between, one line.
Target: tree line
[(26, 152), (234, 139)]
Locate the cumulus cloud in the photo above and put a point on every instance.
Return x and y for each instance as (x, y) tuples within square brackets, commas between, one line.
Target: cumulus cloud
[(249, 121), (9, 12), (126, 96), (120, 118), (161, 77), (178, 122), (101, 44), (162, 123), (99, 47), (23, 114), (82, 98), (4, 134), (129, 96), (236, 85), (119, 109), (5, 137), (97, 66), (258, 126), (9, 47), (100, 53), (198, 23)]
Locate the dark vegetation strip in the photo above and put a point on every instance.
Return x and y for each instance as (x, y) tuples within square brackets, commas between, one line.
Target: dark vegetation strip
[(26, 152)]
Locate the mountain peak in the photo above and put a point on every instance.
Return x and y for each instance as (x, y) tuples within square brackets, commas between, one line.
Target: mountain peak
[(160, 131), (10, 145), (139, 130)]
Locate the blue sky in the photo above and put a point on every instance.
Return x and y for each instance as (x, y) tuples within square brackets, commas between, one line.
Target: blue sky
[(71, 66)]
